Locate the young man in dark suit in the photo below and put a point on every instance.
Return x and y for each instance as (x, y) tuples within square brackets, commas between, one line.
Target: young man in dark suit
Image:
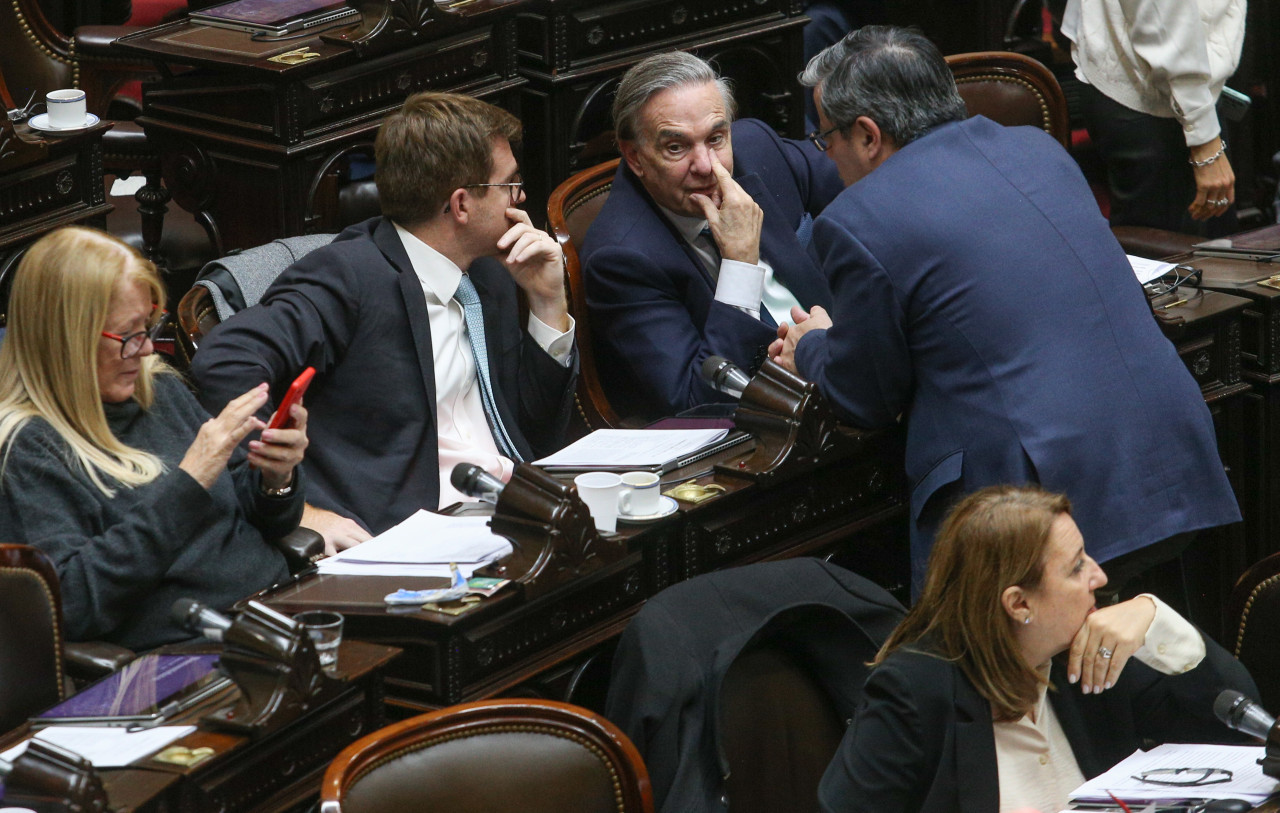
[(389, 314)]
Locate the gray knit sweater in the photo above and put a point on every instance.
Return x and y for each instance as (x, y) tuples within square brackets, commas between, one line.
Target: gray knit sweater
[(123, 561)]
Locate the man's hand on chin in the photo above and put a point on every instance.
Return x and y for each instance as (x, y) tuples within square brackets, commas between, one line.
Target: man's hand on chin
[(535, 262)]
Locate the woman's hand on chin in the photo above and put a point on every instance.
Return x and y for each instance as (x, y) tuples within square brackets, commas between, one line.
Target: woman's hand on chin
[(1118, 630)]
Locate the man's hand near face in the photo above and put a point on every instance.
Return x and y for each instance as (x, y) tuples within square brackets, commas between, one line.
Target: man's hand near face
[(735, 224), (535, 262)]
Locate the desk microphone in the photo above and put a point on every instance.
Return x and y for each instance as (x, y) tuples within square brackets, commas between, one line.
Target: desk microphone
[(1242, 714), (195, 617), (474, 481), (725, 376)]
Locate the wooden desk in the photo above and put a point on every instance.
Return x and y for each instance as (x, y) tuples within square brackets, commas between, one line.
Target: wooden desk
[(253, 146), (46, 183), (853, 507), (270, 773)]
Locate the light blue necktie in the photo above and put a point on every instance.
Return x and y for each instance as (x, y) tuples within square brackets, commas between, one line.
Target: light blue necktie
[(470, 301)]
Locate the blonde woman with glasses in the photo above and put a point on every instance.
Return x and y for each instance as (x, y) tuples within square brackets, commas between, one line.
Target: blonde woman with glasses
[(109, 465)]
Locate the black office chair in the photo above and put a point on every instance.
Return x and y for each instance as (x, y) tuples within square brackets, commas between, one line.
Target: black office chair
[(736, 686), (1253, 614)]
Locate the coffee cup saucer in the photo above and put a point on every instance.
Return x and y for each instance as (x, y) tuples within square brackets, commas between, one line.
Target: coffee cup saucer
[(667, 507), (41, 124)]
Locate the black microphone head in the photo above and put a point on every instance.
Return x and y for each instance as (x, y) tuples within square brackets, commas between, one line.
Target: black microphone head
[(1228, 705), (463, 477), (183, 611), (712, 366)]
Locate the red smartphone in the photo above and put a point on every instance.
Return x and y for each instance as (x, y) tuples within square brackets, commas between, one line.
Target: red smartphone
[(280, 418)]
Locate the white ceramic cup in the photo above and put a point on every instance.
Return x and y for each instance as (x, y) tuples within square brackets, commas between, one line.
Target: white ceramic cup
[(66, 108), (600, 490), (641, 495)]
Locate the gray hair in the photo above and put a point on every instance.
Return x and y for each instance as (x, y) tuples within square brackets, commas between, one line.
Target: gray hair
[(894, 76), (655, 74)]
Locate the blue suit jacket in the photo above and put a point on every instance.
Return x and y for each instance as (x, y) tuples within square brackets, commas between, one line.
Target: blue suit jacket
[(979, 291), (651, 300), (355, 310)]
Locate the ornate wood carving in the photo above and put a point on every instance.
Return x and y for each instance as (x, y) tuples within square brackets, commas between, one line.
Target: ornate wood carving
[(555, 540), (794, 427)]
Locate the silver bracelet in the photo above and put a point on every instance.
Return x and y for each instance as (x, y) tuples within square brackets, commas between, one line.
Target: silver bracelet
[(1206, 162)]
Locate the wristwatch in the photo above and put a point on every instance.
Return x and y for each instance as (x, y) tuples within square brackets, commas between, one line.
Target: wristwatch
[(283, 491)]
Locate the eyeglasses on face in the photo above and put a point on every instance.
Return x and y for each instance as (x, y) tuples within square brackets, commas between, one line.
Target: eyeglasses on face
[(516, 188), (819, 139), (131, 344)]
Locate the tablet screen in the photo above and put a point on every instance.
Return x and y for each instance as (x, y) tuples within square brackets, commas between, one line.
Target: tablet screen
[(142, 688)]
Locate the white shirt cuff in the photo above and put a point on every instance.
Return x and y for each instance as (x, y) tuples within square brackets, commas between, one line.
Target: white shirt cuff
[(558, 345), (1172, 645), (741, 285)]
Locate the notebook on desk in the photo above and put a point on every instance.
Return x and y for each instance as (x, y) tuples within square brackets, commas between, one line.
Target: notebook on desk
[(656, 450)]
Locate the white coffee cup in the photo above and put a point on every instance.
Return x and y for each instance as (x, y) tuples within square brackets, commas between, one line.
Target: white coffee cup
[(641, 495), (67, 109), (600, 490)]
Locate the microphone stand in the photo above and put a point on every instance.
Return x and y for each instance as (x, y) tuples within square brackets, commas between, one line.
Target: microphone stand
[(49, 779)]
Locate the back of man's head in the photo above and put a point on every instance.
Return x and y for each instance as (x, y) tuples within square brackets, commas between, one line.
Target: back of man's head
[(894, 76), (432, 145), (651, 76)]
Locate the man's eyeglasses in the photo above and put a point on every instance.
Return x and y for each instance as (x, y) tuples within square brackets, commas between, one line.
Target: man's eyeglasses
[(1185, 777), (819, 139), (131, 345), (516, 188)]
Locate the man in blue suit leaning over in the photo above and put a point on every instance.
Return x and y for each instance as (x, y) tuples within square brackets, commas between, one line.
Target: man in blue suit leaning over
[(702, 245), (979, 293)]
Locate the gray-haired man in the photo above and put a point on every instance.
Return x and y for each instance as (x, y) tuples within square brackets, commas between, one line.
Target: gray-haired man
[(703, 244)]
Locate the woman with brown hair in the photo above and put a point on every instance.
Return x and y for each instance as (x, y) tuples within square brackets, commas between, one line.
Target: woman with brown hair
[(109, 465), (1005, 686)]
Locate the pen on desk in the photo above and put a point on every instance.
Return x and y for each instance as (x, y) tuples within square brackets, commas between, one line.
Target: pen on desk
[(1182, 301)]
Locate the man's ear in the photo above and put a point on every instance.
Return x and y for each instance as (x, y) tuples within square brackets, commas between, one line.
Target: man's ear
[(631, 154), (1014, 601), (459, 206)]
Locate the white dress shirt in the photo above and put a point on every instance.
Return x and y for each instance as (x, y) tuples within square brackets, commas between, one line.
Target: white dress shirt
[(1036, 767), (742, 285), (464, 435)]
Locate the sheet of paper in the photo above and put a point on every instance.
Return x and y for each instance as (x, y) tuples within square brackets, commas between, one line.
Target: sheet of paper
[(1248, 781), (1146, 270), (106, 746), (632, 447), (422, 545), (127, 187)]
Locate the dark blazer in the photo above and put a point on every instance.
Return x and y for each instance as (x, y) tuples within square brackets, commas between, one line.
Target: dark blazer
[(355, 310), (979, 292), (669, 665), (651, 300), (923, 740)]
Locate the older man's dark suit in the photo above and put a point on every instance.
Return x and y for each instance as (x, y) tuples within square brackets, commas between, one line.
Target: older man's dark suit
[(355, 311), (651, 299), (922, 739), (979, 292)]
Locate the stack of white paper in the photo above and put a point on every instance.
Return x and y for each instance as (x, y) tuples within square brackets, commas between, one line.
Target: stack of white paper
[(1147, 270), (1248, 782), (106, 746), (423, 545), (635, 448)]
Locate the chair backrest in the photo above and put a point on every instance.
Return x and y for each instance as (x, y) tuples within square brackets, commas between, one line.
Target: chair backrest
[(1253, 612), (30, 634), (1013, 90), (570, 212), (737, 685), (236, 282), (493, 756)]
